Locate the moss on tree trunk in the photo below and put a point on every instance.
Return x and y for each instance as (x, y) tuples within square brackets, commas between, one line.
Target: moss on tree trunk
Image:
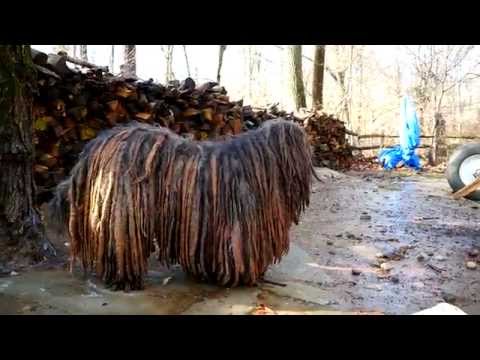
[(21, 230)]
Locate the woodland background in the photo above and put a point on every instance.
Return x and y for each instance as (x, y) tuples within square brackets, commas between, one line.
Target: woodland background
[(362, 84)]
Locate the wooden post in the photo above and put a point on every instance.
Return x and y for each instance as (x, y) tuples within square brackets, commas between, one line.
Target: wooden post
[(439, 143), (467, 189)]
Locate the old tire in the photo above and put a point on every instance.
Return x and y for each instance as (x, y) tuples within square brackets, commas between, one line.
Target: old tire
[(462, 165)]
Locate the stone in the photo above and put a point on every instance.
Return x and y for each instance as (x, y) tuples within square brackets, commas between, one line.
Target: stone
[(471, 265), (329, 242), (395, 279), (167, 280), (473, 253), (418, 285), (386, 266), (448, 297), (374, 287), (440, 258), (365, 217), (331, 252), (422, 257), (356, 272)]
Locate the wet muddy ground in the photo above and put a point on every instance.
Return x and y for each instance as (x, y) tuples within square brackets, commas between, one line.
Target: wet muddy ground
[(370, 243)]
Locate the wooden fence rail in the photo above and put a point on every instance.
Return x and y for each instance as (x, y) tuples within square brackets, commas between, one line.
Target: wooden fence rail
[(437, 145), (373, 147), (373, 136)]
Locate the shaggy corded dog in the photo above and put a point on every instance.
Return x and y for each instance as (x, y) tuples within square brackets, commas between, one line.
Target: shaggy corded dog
[(222, 210)]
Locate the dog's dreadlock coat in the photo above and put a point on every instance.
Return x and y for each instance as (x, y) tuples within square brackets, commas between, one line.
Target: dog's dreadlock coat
[(222, 210)]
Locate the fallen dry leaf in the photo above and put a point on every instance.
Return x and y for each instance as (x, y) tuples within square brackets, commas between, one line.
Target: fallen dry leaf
[(262, 309)]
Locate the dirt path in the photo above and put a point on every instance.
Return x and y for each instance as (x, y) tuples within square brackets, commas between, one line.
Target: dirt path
[(361, 221), (355, 222)]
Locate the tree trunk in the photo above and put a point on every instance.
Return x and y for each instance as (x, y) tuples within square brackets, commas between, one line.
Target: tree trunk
[(362, 123), (250, 50), (318, 71), (21, 230), (350, 87), (345, 98), (169, 76), (83, 52), (186, 60), (221, 50), (130, 59), (296, 75), (439, 152), (112, 58)]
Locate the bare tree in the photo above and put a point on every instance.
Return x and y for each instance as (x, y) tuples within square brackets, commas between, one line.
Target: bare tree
[(318, 72), (296, 75), (221, 50), (341, 71), (168, 53), (186, 60), (436, 69), (21, 229), (112, 58), (83, 52), (360, 96), (398, 79), (253, 62), (130, 61)]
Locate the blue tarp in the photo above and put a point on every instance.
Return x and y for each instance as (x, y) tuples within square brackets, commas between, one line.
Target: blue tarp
[(409, 140)]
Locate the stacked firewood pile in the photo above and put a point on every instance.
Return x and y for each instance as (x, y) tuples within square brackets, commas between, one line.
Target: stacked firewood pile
[(327, 135), (73, 105)]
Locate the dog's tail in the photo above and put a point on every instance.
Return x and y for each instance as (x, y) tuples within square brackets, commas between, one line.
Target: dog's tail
[(58, 209), (314, 173)]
